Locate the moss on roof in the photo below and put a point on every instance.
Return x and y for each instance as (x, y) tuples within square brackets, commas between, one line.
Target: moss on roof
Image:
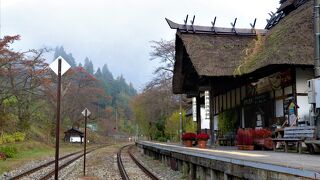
[(215, 55), (291, 41)]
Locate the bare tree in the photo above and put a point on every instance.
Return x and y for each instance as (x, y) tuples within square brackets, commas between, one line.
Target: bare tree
[(164, 52)]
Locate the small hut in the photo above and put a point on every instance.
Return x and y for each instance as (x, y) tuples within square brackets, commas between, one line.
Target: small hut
[(73, 135)]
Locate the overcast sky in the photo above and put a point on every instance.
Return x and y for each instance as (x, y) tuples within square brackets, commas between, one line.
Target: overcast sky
[(118, 32)]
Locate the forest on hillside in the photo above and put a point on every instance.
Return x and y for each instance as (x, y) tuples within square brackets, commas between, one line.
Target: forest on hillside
[(28, 94)]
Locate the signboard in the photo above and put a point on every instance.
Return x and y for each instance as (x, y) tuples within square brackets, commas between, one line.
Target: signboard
[(205, 123), (84, 112), (194, 109), (259, 99), (207, 105), (64, 65)]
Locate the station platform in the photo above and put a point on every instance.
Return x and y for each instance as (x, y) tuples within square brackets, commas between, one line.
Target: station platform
[(297, 165)]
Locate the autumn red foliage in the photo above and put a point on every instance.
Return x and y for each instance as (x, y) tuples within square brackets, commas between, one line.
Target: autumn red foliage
[(188, 136)]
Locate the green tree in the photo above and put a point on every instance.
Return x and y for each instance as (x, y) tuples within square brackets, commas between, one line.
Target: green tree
[(88, 66), (60, 51)]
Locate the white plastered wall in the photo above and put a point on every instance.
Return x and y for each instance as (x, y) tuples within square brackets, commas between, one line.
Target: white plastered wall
[(302, 75)]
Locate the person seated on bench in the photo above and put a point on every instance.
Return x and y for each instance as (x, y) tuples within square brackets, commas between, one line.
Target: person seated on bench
[(293, 121)]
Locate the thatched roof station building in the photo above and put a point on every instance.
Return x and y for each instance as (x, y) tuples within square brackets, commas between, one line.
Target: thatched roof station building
[(255, 77)]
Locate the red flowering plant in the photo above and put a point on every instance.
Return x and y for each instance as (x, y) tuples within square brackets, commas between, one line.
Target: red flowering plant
[(240, 136), (202, 137), (262, 133), (248, 137), (262, 138), (245, 136), (188, 136)]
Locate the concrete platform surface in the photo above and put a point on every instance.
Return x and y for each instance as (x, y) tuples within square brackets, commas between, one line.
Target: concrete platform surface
[(293, 163)]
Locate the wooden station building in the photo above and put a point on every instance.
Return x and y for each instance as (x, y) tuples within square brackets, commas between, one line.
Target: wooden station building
[(257, 76)]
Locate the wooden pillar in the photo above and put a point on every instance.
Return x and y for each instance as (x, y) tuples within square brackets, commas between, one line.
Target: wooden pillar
[(294, 88), (198, 115), (212, 117)]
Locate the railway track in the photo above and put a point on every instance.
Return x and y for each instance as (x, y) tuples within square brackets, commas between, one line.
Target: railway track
[(123, 172), (67, 159)]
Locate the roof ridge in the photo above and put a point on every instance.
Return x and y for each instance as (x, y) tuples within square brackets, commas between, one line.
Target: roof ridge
[(196, 29)]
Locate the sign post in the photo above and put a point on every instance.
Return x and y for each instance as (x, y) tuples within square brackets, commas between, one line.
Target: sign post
[(85, 113), (59, 66)]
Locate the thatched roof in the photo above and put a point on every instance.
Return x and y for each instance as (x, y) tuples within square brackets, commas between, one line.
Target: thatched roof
[(286, 4), (215, 55), (290, 42)]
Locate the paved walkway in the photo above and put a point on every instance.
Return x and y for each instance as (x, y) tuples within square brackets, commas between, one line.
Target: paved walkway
[(264, 159)]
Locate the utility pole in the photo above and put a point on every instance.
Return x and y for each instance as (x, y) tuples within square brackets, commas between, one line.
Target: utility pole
[(85, 113), (56, 165), (117, 120), (59, 66), (85, 143)]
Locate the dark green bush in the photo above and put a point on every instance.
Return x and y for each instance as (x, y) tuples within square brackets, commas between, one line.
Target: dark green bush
[(161, 139), (9, 151)]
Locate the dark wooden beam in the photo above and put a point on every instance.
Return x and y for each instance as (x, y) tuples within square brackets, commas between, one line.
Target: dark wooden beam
[(217, 30), (198, 115)]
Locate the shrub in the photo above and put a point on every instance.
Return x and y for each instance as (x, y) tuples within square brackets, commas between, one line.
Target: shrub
[(9, 151), (2, 156), (162, 139), (19, 136), (188, 136), (7, 138), (227, 121), (203, 136)]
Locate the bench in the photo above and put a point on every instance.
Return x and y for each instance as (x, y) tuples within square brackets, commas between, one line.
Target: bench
[(295, 135), (311, 143)]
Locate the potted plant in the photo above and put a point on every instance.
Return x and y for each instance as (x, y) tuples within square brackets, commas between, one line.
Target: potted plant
[(262, 138), (187, 138), (239, 138), (202, 139), (245, 139)]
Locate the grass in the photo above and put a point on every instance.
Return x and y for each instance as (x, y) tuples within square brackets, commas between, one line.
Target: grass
[(32, 150)]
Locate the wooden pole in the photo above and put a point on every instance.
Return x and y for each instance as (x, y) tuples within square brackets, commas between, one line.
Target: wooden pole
[(56, 169), (85, 143)]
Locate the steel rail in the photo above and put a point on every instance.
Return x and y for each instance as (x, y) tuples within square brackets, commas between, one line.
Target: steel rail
[(51, 173), (28, 172), (122, 170), (144, 169), (123, 173), (38, 168)]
